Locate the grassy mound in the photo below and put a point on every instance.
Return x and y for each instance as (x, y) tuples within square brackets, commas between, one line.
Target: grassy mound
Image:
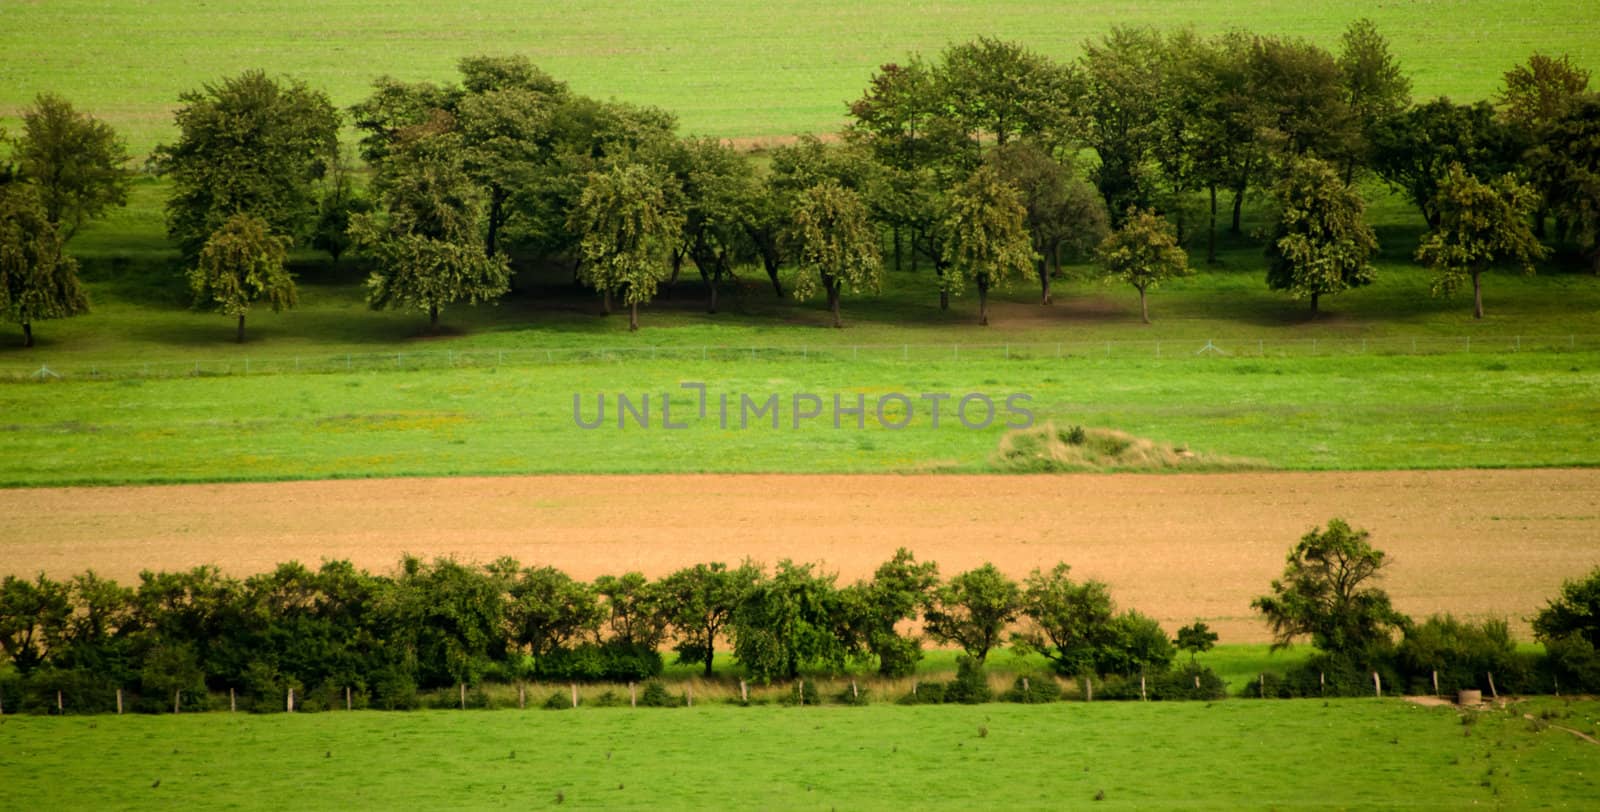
[(1047, 448)]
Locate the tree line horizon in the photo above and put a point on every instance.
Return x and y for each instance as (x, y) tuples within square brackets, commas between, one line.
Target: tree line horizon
[(988, 163), (439, 624)]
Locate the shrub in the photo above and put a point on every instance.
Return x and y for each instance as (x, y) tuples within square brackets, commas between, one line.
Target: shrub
[(560, 700), (1038, 689), (971, 685), (851, 696), (655, 695), (1189, 681), (1462, 653), (608, 662), (805, 693), (1574, 663), (394, 689), (925, 693)]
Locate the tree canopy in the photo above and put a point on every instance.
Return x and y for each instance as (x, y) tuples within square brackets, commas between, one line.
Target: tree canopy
[(38, 279), (1327, 592), (1481, 225), (1321, 243), (77, 163), (240, 264)]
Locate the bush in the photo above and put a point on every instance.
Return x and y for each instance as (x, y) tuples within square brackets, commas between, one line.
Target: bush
[(560, 700), (1037, 690), (971, 685), (1462, 654), (1190, 681), (394, 689), (1324, 675), (655, 695), (608, 662), (925, 693), (851, 696), (805, 693), (1574, 664)]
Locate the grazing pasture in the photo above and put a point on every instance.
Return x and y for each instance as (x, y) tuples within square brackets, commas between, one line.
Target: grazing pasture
[(1356, 752)]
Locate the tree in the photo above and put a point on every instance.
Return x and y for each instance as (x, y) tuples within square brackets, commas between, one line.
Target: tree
[(425, 242), (546, 609), (634, 610), (33, 614), (900, 588), (627, 231), (1321, 243), (240, 264), (1481, 225), (247, 144), (1575, 612), (1302, 104), (1063, 211), (1540, 92), (1069, 622), (973, 610), (1327, 593), (699, 602), (1565, 163), (1412, 149), (38, 279), (339, 201), (77, 162), (1374, 87), (1144, 252), (1003, 89), (834, 244), (792, 620), (1197, 638), (1225, 149), (985, 236), (1124, 74), (717, 191)]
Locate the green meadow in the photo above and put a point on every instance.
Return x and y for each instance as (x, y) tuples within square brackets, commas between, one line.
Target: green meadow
[(1237, 754), (727, 68)]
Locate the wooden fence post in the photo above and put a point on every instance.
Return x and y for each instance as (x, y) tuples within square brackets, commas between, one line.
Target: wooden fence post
[(177, 699), (1322, 682), (688, 694), (1436, 683), (60, 708), (233, 702), (574, 687), (1492, 691), (801, 687), (1261, 685), (1027, 692), (633, 696), (1088, 689), (522, 696), (1377, 684), (1141, 688), (347, 698), (119, 701), (854, 694), (463, 688), (744, 692), (291, 700)]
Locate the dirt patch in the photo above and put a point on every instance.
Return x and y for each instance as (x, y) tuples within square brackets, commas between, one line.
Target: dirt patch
[(1051, 449), (1176, 546)]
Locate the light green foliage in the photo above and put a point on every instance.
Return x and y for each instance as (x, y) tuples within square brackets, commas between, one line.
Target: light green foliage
[(1541, 91), (546, 609), (247, 144), (1068, 621), (1144, 252), (1321, 243), (1326, 593), (77, 162), (240, 264), (986, 237), (834, 244), (1481, 225), (1003, 89), (973, 610), (1125, 72), (1375, 86), (38, 279), (627, 229), (901, 588), (702, 600), (790, 621)]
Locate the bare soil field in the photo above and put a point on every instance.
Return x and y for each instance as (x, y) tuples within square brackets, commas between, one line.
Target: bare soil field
[(1178, 547)]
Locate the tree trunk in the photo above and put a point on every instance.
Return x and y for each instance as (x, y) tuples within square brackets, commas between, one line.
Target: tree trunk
[(897, 248), (711, 283), (633, 317), (1211, 236), (710, 653), (833, 304), (1238, 206), (1314, 304), (497, 202), (433, 319), (1144, 311), (605, 302), (240, 337), (1538, 220), (983, 301), (1477, 295), (1044, 280), (677, 266), (772, 273), (27, 334)]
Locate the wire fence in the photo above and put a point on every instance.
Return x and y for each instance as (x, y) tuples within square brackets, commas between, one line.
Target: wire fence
[(1164, 349)]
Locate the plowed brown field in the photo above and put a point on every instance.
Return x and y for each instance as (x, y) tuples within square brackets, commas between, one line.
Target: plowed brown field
[(1178, 547)]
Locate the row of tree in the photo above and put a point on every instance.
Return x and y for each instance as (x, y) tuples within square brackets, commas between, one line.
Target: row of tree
[(988, 162), (444, 623)]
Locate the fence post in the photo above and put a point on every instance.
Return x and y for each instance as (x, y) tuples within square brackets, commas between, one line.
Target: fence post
[(744, 692), (60, 708), (119, 701), (1492, 691), (1377, 685), (347, 698), (522, 696), (1436, 683), (233, 703), (1141, 687), (463, 687), (1261, 685), (574, 687), (688, 694), (290, 704), (177, 699), (1027, 692), (633, 696)]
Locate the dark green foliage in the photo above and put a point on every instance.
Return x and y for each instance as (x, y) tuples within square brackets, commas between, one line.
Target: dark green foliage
[(971, 685), (973, 610), (1039, 689), (1321, 243), (792, 620), (1569, 626), (856, 696), (900, 589), (804, 693), (1197, 638), (1412, 149), (1075, 627), (656, 695), (1462, 653), (699, 602), (612, 661), (247, 144), (1325, 594), (926, 693), (38, 279), (557, 701), (1180, 684)]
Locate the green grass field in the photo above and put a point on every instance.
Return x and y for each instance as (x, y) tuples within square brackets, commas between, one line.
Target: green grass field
[(1340, 753), (726, 68)]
